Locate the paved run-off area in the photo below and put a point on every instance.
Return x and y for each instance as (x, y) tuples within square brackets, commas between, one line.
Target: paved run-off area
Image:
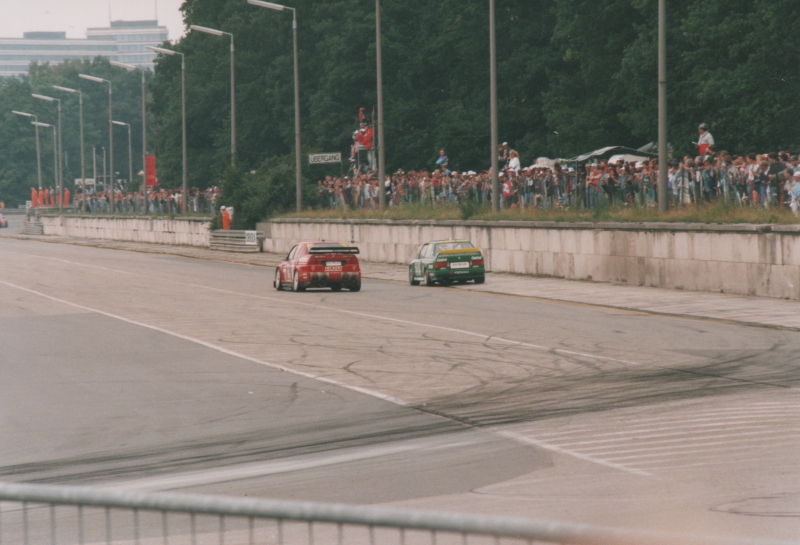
[(161, 372)]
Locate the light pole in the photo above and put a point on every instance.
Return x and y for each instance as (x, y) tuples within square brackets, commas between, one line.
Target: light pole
[(381, 147), (215, 32), (38, 147), (130, 149), (493, 106), (83, 150), (298, 158), (183, 111), (105, 179), (663, 145), (144, 127), (60, 173), (112, 197), (55, 148)]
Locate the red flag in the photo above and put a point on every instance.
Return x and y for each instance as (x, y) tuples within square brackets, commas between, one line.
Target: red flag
[(151, 171)]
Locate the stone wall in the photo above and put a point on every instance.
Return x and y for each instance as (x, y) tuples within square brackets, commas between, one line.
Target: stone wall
[(758, 260), (179, 231)]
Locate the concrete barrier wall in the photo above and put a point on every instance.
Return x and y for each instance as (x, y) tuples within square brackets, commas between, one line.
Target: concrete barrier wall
[(178, 231), (758, 260)]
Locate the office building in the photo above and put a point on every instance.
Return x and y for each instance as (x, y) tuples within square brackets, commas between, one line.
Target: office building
[(123, 41)]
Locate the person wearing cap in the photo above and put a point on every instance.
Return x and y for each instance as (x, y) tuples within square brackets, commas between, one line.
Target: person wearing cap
[(705, 139)]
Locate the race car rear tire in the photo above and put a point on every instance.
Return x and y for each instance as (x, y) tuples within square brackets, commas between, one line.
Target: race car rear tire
[(428, 279), (355, 287), (277, 282), (296, 286), (336, 287), (480, 280), (411, 277)]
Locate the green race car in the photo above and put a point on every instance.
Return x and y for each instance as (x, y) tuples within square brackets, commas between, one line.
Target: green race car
[(447, 261)]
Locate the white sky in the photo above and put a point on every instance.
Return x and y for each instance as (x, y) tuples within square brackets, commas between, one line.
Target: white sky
[(75, 16)]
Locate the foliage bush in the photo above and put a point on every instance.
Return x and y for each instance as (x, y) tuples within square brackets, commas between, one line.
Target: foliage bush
[(270, 190)]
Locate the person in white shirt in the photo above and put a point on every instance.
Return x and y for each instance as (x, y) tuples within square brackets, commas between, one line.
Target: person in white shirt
[(705, 139), (513, 163)]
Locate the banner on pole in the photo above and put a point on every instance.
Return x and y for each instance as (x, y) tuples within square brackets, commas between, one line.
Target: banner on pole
[(324, 158), (151, 171)]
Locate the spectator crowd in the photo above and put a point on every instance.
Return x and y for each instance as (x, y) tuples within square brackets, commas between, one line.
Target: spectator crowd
[(766, 180), (159, 200)]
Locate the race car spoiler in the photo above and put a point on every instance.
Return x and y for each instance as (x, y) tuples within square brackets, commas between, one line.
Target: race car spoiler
[(333, 250), (460, 251)]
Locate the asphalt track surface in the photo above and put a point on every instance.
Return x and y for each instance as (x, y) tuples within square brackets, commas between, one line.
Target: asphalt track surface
[(163, 373)]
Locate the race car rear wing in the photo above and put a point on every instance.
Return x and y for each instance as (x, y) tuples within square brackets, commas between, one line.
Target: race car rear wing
[(460, 251), (319, 249)]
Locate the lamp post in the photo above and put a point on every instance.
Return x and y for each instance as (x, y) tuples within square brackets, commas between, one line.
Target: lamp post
[(55, 148), (60, 151), (493, 106), (144, 127), (381, 147), (38, 147), (83, 150), (112, 197), (183, 111), (130, 149), (663, 150), (215, 32), (298, 158)]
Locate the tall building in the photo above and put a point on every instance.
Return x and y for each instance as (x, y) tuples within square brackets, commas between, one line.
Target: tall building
[(123, 41)]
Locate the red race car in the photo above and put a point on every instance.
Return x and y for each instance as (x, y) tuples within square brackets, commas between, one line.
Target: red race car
[(319, 265)]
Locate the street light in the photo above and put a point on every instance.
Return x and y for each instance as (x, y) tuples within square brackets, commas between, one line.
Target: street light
[(215, 32), (663, 151), (298, 158), (381, 148), (60, 179), (130, 149), (144, 127), (55, 147), (112, 197), (493, 106), (38, 147), (163, 51), (83, 150)]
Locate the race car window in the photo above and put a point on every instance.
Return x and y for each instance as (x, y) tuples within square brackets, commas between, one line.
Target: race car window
[(423, 250), (291, 254), (460, 245)]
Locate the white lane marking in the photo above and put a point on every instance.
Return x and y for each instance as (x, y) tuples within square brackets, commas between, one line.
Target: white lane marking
[(575, 454), (663, 432), (679, 424), (721, 448), (665, 444), (275, 467), (391, 399)]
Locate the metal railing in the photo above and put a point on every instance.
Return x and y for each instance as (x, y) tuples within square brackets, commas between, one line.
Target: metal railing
[(62, 515)]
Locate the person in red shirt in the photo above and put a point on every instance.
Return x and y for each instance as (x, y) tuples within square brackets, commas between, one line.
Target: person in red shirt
[(34, 198), (366, 138)]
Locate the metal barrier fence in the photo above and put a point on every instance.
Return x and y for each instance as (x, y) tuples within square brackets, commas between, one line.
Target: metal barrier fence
[(62, 515)]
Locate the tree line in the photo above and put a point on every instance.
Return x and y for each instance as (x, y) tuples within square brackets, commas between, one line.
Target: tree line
[(573, 75)]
